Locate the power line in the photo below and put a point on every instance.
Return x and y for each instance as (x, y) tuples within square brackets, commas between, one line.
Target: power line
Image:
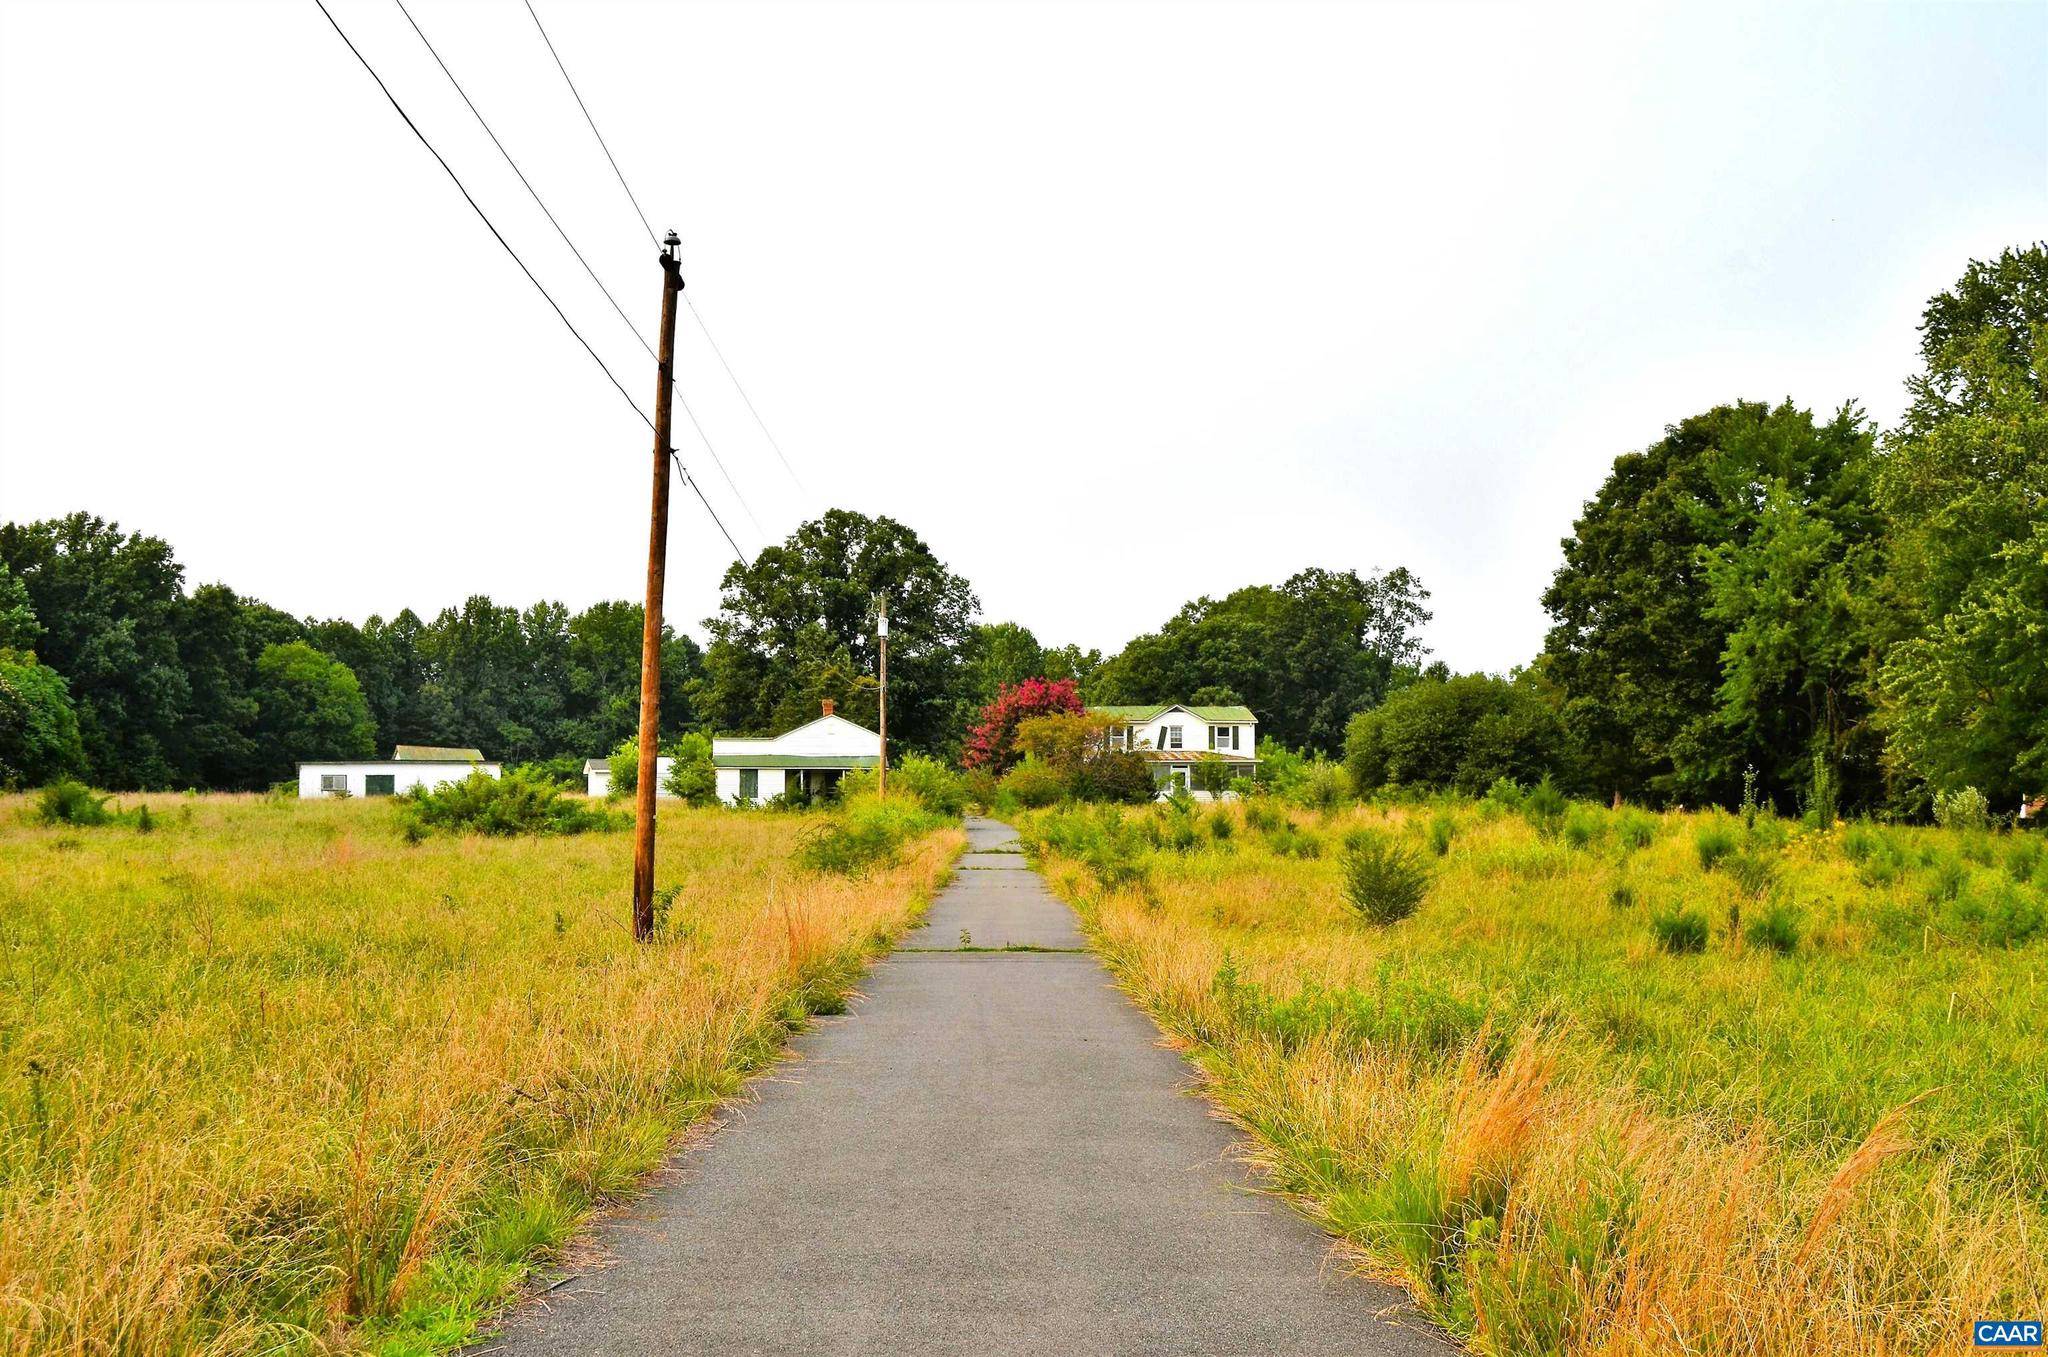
[(593, 123), (530, 189), (745, 397), (500, 238), (694, 315), (534, 193)]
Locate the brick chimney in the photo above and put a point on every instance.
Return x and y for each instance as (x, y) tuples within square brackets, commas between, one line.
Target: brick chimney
[(829, 705)]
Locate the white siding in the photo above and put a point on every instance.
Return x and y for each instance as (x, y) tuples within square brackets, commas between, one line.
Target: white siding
[(772, 783), (405, 774)]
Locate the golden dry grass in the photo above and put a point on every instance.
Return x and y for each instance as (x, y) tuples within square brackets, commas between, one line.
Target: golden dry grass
[(273, 1080), (1563, 1139)]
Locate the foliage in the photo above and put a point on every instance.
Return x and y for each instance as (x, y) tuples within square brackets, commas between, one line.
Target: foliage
[(865, 835), (1457, 734), (38, 728), (515, 803), (1036, 784), (308, 706), (623, 764), (1303, 655), (691, 777), (1116, 776), (66, 802), (992, 743), (796, 626), (1965, 808), (1713, 841), (1702, 618), (1323, 786), (1775, 929), (1544, 807), (1384, 881), (1679, 931), (564, 770), (943, 791)]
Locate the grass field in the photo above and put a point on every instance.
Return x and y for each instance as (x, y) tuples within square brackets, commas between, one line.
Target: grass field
[(274, 1080), (1594, 1096)]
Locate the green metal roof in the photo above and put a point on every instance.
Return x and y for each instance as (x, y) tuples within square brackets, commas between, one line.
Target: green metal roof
[(1213, 715), (435, 753), (794, 760)]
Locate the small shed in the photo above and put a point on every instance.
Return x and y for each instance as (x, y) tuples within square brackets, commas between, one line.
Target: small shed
[(597, 776), (410, 765)]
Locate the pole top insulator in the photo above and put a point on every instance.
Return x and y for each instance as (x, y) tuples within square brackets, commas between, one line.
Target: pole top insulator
[(671, 245)]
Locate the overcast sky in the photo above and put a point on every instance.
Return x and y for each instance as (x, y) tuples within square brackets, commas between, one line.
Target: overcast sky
[(1114, 304)]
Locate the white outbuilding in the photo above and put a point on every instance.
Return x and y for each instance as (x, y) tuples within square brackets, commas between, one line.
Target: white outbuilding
[(809, 760), (597, 776), (410, 765)]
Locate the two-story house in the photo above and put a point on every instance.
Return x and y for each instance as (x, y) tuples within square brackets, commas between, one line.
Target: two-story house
[(1173, 738)]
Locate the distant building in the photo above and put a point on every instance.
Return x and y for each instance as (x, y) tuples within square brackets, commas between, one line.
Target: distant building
[(410, 765), (808, 760), (597, 776), (1172, 739)]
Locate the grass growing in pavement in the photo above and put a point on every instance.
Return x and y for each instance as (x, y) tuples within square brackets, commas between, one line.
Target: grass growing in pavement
[(1822, 1129), (273, 1079)]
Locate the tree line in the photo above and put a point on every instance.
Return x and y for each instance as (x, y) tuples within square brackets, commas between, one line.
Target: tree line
[(1860, 616)]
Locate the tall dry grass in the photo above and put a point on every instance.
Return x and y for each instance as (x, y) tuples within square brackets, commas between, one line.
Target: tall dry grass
[(273, 1080), (1563, 1139)]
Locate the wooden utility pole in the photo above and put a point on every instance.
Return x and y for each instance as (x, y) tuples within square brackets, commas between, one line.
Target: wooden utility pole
[(882, 700), (657, 575)]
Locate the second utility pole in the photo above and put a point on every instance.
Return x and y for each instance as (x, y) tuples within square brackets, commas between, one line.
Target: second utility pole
[(657, 575)]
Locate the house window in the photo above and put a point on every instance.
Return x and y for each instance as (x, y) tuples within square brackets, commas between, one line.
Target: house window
[(1169, 737), (332, 784), (750, 784), (1223, 737), (379, 784)]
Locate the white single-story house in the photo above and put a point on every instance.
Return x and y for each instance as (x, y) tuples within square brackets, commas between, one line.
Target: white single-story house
[(808, 760), (597, 775), (410, 765), (1173, 738)]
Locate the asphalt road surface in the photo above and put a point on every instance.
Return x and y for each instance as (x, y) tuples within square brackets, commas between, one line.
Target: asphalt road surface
[(990, 1154)]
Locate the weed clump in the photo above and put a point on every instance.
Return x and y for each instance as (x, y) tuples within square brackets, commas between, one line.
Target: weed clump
[(1442, 829), (1384, 882), (1776, 929), (1544, 808), (65, 802), (866, 834), (1680, 931), (516, 803), (1962, 809), (1713, 841)]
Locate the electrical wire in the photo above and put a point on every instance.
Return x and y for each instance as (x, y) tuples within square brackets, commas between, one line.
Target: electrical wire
[(534, 193), (497, 235), (780, 456)]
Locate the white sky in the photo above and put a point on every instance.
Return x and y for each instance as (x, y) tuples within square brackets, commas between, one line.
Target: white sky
[(1114, 304)]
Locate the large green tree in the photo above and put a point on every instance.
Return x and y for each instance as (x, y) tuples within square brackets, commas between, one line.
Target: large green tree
[(108, 604), (1704, 618), (1964, 493), (796, 627), (308, 707), (1459, 734), (1304, 655)]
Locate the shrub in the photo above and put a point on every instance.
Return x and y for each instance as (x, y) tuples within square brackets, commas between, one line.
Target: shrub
[(864, 834), (1222, 825), (1635, 830), (65, 802), (1181, 835), (1289, 842), (1964, 809), (1504, 794), (1621, 895), (1776, 929), (564, 770), (692, 777), (1862, 841), (2023, 858), (1443, 827), (1324, 787), (1384, 881), (1713, 841), (624, 762), (1544, 807), (1679, 931), (932, 784), (1261, 816), (517, 803), (1034, 785), (1116, 776), (1584, 826)]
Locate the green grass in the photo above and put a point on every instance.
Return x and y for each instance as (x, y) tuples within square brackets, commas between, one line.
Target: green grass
[(275, 1078), (1822, 982)]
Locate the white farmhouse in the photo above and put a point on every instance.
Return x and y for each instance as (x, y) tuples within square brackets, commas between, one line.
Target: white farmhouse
[(1173, 738), (410, 765), (597, 776), (808, 760)]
